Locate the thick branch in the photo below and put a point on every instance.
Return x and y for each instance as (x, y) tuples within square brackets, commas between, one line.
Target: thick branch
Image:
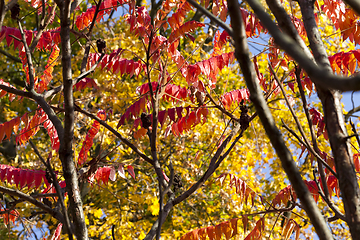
[(335, 126), (318, 75), (243, 57), (66, 152)]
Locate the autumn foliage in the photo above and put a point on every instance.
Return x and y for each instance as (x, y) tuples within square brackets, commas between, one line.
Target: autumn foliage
[(163, 104)]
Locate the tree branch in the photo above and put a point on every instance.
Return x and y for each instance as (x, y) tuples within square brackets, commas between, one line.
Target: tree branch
[(57, 188), (33, 201), (243, 57), (335, 125), (66, 151), (212, 17), (16, 59), (116, 133), (318, 74)]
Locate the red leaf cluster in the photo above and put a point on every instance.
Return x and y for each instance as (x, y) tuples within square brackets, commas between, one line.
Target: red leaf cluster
[(253, 25), (209, 67), (187, 27), (88, 142), (219, 40), (286, 194), (51, 188), (140, 23), (180, 123), (47, 40), (44, 80), (33, 126), (241, 187), (103, 174), (235, 96), (345, 62), (85, 19), (84, 83), (172, 92), (190, 120), (134, 110), (343, 18), (257, 230), (9, 216), (113, 63), (177, 18), (22, 177), (318, 120), (227, 229), (220, 8)]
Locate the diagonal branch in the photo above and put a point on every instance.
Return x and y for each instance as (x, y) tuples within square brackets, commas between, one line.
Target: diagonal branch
[(57, 188), (212, 17), (29, 59), (214, 163), (116, 133), (243, 56), (318, 75), (30, 199), (16, 59)]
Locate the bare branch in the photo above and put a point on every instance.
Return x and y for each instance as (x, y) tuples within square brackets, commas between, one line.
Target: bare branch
[(351, 112), (35, 202), (309, 148), (15, 91), (16, 59)]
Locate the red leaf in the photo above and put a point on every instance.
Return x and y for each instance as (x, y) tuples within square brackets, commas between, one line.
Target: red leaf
[(130, 169), (185, 28), (88, 142), (103, 174), (57, 233), (2, 132)]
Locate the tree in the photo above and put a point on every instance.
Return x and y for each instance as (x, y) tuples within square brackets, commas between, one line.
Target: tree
[(169, 98)]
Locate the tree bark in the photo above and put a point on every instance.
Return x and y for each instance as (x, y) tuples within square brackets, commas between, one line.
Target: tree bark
[(66, 152), (335, 126)]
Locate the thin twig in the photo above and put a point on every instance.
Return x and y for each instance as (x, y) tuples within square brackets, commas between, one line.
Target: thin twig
[(29, 59), (57, 188), (310, 149)]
